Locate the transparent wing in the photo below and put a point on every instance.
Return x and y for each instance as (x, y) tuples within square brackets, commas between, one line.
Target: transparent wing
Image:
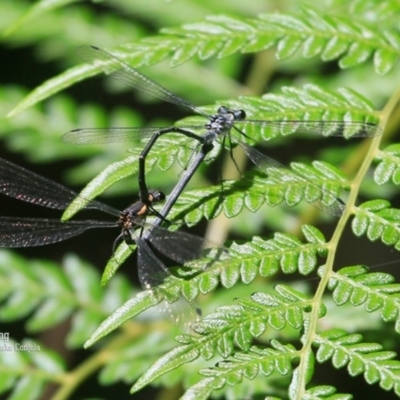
[(130, 76), (313, 194), (347, 129), (108, 135), (116, 135), (26, 232), (21, 184), (274, 128)]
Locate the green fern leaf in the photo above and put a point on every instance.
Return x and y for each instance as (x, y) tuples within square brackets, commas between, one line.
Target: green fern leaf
[(34, 11), (28, 365), (55, 294), (196, 204), (143, 301), (325, 393), (120, 255), (378, 221), (224, 271), (233, 326), (259, 256), (29, 388), (170, 361), (241, 366), (207, 39), (224, 330), (389, 165), (108, 177), (132, 359), (375, 290), (360, 357)]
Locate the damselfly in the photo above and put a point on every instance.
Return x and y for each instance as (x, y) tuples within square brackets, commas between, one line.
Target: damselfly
[(221, 124), (179, 247)]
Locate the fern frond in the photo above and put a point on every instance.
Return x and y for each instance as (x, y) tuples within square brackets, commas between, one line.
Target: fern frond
[(220, 36), (264, 257), (130, 360), (234, 326), (46, 295), (131, 308), (378, 220), (375, 290), (37, 129), (244, 263), (369, 359), (278, 358), (242, 366), (329, 36), (26, 368), (228, 328), (388, 168), (35, 10), (386, 11), (325, 392), (318, 182), (308, 103)]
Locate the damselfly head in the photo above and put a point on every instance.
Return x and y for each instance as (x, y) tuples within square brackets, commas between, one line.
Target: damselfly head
[(238, 115), (156, 196), (223, 110)]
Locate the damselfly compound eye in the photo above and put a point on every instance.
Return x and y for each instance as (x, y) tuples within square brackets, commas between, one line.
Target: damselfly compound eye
[(240, 115)]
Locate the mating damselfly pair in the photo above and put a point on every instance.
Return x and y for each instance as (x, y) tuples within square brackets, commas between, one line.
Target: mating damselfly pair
[(227, 124)]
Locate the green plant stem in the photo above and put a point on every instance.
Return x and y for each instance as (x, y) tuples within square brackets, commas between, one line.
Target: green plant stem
[(355, 188), (71, 380)]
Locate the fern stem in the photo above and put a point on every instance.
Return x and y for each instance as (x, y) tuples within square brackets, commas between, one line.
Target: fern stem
[(373, 147), (390, 106), (74, 378)]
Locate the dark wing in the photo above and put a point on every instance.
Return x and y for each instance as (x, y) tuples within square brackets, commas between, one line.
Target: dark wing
[(183, 247), (21, 184), (27, 232), (347, 129), (151, 269), (130, 76), (152, 273)]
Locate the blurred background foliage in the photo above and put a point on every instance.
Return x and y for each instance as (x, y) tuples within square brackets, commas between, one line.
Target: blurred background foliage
[(38, 42)]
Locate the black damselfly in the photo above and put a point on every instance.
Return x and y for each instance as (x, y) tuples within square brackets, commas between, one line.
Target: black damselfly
[(30, 187), (218, 125)]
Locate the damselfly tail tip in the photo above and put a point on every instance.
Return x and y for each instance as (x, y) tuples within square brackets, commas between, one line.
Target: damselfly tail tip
[(341, 206)]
